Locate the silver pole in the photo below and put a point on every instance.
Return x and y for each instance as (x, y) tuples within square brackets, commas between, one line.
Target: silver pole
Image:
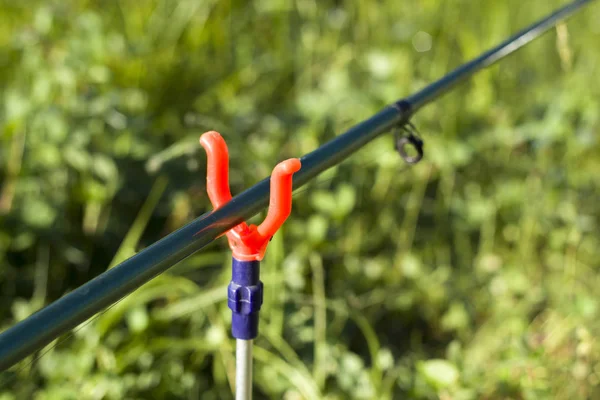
[(243, 369)]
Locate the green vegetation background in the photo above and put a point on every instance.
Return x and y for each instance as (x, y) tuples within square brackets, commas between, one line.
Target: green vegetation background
[(473, 275)]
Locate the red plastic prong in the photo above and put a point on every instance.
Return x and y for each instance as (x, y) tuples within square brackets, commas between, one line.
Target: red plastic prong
[(217, 170), (280, 202), (248, 243)]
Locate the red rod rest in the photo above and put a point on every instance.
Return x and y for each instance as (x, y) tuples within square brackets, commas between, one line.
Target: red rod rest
[(248, 242)]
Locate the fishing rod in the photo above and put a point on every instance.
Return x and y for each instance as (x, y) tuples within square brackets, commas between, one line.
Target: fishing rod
[(56, 319)]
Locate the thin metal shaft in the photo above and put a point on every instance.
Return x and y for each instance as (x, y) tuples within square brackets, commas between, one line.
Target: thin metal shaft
[(74, 308), (243, 369)]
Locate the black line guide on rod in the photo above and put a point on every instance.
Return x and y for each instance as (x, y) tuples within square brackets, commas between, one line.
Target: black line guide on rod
[(410, 137)]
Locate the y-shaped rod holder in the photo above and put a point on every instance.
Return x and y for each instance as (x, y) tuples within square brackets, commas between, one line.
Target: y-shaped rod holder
[(248, 243)]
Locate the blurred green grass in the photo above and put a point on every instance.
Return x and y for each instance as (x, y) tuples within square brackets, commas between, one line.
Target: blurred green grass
[(472, 275)]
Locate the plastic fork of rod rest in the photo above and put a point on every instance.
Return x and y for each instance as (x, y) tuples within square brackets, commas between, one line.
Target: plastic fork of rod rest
[(244, 298)]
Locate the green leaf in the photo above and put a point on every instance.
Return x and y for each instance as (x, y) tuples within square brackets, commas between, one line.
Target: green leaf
[(345, 200), (324, 201), (37, 213), (317, 228), (137, 319), (439, 373)]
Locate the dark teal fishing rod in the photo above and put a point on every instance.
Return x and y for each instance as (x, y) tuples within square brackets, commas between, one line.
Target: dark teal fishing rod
[(38, 330)]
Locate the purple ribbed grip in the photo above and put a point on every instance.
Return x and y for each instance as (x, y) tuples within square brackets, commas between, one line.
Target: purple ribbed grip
[(245, 296)]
